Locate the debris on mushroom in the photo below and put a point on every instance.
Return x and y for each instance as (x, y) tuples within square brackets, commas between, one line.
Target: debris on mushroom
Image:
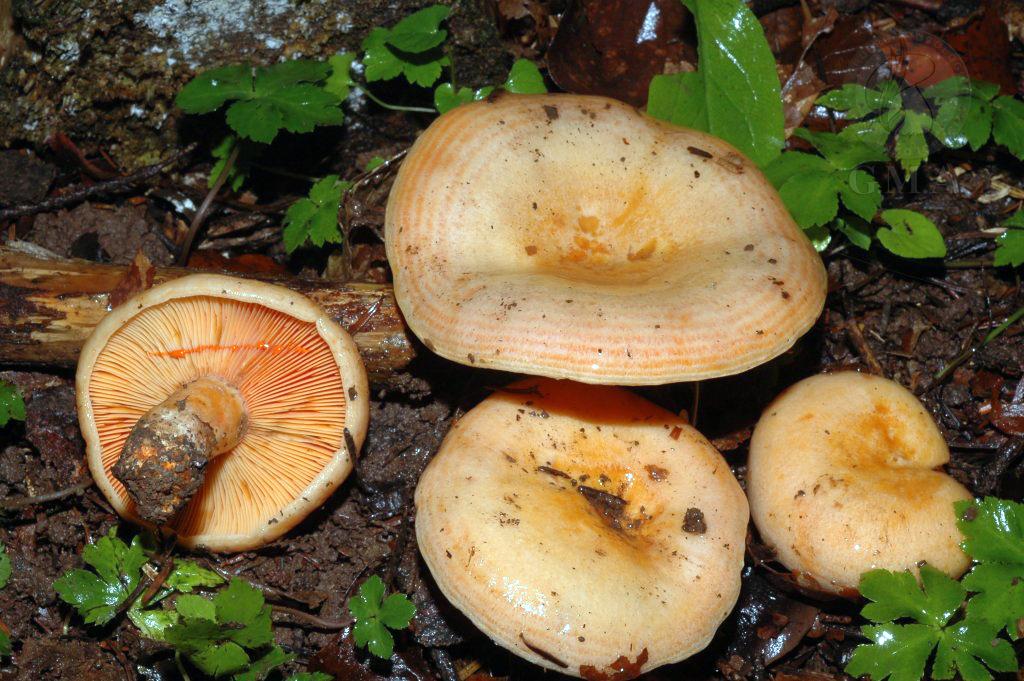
[(583, 528), (223, 409), (845, 476), (575, 237)]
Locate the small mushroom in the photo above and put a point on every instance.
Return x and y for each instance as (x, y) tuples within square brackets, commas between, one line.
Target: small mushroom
[(223, 409), (583, 528), (845, 475), (574, 237)]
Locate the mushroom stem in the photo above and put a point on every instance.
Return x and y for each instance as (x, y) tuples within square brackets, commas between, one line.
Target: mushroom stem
[(163, 459)]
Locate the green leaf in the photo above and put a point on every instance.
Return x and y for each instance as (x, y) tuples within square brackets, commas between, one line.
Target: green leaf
[(287, 73), (241, 602), (315, 219), (188, 575), (366, 603), (211, 89), (961, 121), (911, 146), (379, 62), (446, 98), (524, 78), (953, 87), (420, 31), (860, 193), (819, 236), (296, 108), (961, 646), (374, 163), (741, 85), (5, 644), (859, 101), (374, 615), (812, 198), (896, 595), (310, 676), (340, 82), (397, 611), (791, 163), (898, 652), (679, 98), (845, 152), (998, 595), (153, 622), (5, 566), (1009, 248), (259, 669), (856, 230), (257, 632), (12, 406), (424, 72), (193, 635), (374, 636), (94, 599), (194, 607), (220, 660), (118, 569), (238, 172), (912, 235), (993, 529), (1008, 124)]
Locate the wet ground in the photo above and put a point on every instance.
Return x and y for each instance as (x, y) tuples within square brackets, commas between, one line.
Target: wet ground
[(908, 321)]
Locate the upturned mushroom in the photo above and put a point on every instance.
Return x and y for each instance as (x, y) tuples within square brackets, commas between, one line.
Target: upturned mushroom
[(575, 237), (223, 409), (583, 528), (845, 475)]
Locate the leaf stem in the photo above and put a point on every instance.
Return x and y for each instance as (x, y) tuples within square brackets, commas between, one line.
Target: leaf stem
[(180, 666), (204, 208), (395, 107), (989, 337)]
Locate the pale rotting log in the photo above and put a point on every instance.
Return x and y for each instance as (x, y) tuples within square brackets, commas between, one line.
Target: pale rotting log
[(49, 307)]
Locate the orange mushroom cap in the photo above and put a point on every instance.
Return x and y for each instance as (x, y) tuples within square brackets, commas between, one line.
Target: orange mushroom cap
[(845, 476), (298, 373), (583, 528), (575, 237)]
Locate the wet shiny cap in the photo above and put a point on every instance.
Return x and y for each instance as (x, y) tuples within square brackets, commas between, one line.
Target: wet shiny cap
[(583, 528), (574, 237), (845, 475), (299, 377)]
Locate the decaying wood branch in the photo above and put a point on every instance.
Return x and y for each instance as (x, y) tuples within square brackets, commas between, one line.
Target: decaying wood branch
[(49, 307)]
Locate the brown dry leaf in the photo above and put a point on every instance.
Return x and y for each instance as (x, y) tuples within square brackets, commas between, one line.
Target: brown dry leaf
[(136, 279), (248, 263), (514, 9), (614, 47), (984, 44)]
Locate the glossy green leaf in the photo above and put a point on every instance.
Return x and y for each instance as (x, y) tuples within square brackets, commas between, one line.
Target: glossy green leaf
[(680, 99), (12, 406), (812, 198), (340, 82), (261, 667), (740, 83), (860, 193), (315, 219), (911, 235), (420, 31), (859, 101), (524, 78), (1008, 124), (221, 659), (188, 575), (153, 622), (993, 529), (446, 98), (897, 652), (844, 152), (911, 145), (856, 230), (193, 607), (211, 89), (5, 566)]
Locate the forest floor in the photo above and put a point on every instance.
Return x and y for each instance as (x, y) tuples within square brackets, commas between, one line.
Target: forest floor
[(883, 315)]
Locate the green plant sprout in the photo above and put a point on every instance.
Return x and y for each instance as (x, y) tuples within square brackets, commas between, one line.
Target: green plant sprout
[(375, 615), (12, 406), (5, 576), (911, 621)]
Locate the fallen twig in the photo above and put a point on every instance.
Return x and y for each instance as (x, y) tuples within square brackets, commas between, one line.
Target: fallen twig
[(204, 208), (114, 186), (15, 503), (315, 620)]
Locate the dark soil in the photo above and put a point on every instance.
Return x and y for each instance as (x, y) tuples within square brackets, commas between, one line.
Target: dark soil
[(908, 321)]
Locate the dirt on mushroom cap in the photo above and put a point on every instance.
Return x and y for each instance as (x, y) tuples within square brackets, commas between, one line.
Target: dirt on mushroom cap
[(298, 373), (844, 477), (540, 520), (596, 244)]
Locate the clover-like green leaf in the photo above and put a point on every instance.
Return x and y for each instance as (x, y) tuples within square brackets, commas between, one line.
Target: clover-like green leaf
[(524, 78)]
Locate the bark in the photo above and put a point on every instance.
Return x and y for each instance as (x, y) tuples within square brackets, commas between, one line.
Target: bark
[(49, 307)]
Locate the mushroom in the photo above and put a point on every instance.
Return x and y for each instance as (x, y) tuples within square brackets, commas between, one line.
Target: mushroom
[(222, 408), (845, 475), (583, 528), (574, 237)]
